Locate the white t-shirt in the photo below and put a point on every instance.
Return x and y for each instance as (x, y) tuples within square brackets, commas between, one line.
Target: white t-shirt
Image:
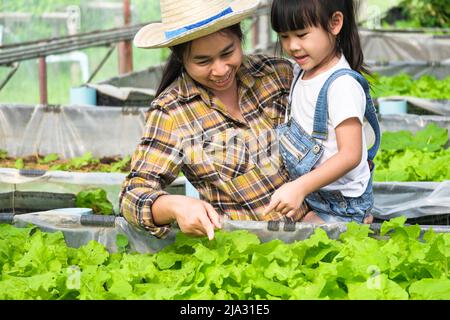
[(346, 99)]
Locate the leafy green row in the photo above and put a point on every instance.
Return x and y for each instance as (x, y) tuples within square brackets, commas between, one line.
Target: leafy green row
[(413, 165), (427, 86), (96, 199), (235, 265), (407, 157), (78, 163), (86, 160)]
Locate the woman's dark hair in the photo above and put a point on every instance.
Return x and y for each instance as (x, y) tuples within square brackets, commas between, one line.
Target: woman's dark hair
[(289, 15), (174, 66)]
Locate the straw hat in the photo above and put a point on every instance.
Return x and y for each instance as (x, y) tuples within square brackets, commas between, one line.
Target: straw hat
[(186, 20)]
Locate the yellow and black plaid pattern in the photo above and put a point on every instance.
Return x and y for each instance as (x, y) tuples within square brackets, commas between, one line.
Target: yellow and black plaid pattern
[(233, 164)]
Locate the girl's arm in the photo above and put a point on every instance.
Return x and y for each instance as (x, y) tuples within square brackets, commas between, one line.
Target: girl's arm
[(349, 142), (348, 157)]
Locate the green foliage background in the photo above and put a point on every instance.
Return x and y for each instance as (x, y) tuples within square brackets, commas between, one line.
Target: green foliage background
[(427, 13)]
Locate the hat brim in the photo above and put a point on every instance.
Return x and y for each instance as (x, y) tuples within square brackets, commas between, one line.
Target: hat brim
[(153, 35)]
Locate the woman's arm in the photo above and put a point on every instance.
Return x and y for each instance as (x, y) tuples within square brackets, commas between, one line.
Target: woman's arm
[(155, 164)]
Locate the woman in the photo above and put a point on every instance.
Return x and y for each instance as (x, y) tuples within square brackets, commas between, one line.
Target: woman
[(213, 119)]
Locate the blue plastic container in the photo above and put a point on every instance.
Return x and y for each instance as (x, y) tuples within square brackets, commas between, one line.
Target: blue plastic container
[(83, 96), (191, 191), (392, 106)]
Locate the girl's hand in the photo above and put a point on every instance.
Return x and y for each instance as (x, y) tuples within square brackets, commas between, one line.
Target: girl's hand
[(287, 199), (196, 217)]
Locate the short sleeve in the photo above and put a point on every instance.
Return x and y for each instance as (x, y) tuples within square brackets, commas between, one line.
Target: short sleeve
[(346, 99)]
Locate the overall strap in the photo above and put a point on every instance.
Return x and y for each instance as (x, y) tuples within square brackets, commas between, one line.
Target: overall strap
[(320, 129), (297, 74)]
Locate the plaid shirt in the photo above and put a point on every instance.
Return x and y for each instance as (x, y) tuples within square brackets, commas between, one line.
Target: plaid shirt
[(235, 165)]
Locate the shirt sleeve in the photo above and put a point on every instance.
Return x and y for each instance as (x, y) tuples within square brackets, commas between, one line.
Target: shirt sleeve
[(156, 162), (346, 99)]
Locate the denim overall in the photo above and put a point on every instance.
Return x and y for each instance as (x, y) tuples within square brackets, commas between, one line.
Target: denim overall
[(301, 151)]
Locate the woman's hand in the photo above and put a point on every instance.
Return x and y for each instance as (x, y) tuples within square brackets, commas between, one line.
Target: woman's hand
[(287, 199), (198, 218), (194, 217)]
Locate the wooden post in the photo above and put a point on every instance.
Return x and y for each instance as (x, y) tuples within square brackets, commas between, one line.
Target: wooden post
[(43, 80), (264, 30), (255, 36), (125, 47)]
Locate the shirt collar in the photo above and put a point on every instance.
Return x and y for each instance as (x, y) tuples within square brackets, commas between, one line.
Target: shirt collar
[(190, 89), (251, 68)]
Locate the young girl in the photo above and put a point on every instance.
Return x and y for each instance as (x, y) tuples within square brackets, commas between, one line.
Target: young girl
[(322, 141)]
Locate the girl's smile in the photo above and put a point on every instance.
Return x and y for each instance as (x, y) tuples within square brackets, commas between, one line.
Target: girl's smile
[(301, 60)]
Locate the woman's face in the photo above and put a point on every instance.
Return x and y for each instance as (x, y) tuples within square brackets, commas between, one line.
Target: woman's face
[(213, 60)]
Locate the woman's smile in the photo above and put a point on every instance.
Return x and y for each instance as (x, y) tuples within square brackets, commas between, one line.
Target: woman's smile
[(224, 81)]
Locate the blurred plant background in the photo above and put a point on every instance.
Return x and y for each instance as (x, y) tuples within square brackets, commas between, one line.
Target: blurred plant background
[(419, 14), (31, 20)]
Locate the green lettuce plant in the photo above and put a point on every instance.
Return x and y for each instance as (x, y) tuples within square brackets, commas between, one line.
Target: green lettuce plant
[(407, 157), (397, 264)]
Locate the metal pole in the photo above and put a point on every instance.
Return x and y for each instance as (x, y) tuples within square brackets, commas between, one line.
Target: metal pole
[(43, 80), (15, 66), (125, 47), (94, 73), (35, 49)]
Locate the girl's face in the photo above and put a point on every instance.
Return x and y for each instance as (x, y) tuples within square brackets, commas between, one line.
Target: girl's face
[(214, 60), (312, 48)]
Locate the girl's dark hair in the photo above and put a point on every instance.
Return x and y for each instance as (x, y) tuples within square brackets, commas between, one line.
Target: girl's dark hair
[(289, 15), (174, 66)]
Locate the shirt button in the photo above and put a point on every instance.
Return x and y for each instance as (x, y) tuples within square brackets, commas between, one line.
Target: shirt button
[(316, 149)]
